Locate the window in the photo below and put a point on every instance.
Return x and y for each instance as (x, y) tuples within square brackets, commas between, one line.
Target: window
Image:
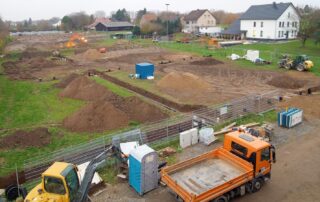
[(282, 33), (265, 154), (292, 33), (261, 24), (54, 185), (279, 34), (282, 24), (292, 24), (261, 33), (239, 149), (289, 15), (288, 24), (254, 24), (279, 24), (72, 183)]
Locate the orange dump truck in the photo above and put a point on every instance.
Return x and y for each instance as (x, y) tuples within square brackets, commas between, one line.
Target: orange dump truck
[(240, 166)]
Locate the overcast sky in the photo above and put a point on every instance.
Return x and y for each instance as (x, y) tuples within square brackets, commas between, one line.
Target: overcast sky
[(45, 9)]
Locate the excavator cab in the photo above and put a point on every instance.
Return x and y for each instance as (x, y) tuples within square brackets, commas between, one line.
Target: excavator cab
[(60, 182)]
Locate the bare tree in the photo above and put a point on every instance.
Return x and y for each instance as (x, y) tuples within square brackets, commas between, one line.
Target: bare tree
[(100, 14)]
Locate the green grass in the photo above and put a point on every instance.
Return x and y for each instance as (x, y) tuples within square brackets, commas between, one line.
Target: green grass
[(148, 85), (268, 51), (27, 103), (113, 87)]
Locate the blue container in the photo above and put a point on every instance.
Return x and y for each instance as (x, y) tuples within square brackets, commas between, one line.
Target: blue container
[(290, 118), (144, 70)]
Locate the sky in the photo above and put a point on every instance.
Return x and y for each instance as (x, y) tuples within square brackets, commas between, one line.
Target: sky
[(17, 10)]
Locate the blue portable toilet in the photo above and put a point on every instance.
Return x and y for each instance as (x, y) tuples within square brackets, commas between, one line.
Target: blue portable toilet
[(143, 169), (144, 70)]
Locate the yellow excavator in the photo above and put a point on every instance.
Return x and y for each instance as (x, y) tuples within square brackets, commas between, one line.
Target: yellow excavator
[(74, 40), (61, 182)]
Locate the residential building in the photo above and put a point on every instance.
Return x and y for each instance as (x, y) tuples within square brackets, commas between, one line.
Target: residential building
[(276, 21), (198, 20)]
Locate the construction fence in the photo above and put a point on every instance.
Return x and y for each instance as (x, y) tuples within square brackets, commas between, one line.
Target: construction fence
[(159, 132)]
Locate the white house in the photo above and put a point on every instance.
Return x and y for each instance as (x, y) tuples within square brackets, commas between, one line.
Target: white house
[(267, 22), (198, 20)]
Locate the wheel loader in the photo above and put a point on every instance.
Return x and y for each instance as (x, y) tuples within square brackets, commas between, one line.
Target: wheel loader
[(61, 182), (300, 63)]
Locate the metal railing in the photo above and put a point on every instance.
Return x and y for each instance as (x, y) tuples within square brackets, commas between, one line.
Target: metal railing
[(153, 133)]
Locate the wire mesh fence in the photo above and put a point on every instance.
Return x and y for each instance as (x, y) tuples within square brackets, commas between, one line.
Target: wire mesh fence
[(154, 133)]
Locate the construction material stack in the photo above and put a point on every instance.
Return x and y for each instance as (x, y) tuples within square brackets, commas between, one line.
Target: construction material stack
[(290, 117)]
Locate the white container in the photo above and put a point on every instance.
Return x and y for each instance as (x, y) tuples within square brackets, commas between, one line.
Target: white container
[(194, 136), (185, 139), (252, 55), (206, 136)]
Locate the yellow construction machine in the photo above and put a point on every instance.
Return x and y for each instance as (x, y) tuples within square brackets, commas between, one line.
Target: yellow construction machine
[(75, 39), (61, 182)]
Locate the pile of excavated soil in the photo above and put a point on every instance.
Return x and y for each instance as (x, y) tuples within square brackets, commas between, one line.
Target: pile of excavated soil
[(96, 116), (183, 82), (83, 88), (38, 63), (284, 81), (90, 54), (140, 111), (64, 82), (206, 61), (22, 139)]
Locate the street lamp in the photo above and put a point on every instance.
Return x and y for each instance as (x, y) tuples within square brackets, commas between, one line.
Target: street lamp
[(167, 21)]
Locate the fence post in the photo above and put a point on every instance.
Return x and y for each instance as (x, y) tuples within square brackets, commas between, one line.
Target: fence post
[(18, 184)]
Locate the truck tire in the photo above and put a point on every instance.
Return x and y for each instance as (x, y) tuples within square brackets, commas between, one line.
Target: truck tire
[(256, 185), (300, 67), (287, 66), (221, 199)]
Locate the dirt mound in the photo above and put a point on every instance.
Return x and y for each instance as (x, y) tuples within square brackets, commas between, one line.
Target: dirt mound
[(90, 54), (183, 82), (97, 116), (284, 81), (22, 139), (140, 111), (206, 61), (38, 63), (83, 88), (66, 80)]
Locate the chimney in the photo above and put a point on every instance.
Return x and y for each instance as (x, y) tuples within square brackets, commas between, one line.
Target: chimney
[(274, 4)]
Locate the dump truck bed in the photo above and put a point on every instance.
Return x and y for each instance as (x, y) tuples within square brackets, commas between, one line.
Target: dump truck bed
[(207, 176)]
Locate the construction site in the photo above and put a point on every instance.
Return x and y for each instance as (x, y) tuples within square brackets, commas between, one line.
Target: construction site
[(86, 98)]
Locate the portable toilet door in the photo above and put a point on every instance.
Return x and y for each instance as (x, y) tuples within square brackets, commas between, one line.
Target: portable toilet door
[(150, 172)]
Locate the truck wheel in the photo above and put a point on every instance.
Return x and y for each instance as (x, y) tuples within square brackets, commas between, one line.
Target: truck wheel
[(256, 185), (287, 66), (300, 67), (221, 199)]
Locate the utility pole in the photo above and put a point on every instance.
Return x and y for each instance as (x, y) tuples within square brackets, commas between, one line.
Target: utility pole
[(167, 21)]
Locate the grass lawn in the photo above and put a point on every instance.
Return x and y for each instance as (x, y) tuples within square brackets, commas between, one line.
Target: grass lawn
[(26, 104), (268, 51), (118, 90)]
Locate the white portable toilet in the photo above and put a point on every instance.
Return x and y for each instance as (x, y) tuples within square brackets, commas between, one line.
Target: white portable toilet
[(143, 169)]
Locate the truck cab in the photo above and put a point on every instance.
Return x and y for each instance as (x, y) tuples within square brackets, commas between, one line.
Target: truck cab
[(259, 153), (60, 182)]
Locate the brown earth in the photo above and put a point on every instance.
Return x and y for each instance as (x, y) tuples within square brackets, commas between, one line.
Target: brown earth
[(64, 82), (90, 54), (96, 116), (285, 81), (22, 139), (83, 88), (206, 61), (309, 103), (181, 82)]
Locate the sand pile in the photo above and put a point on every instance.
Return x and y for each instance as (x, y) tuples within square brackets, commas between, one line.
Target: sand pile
[(284, 81), (183, 82), (83, 88), (22, 139), (96, 116), (90, 54)]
